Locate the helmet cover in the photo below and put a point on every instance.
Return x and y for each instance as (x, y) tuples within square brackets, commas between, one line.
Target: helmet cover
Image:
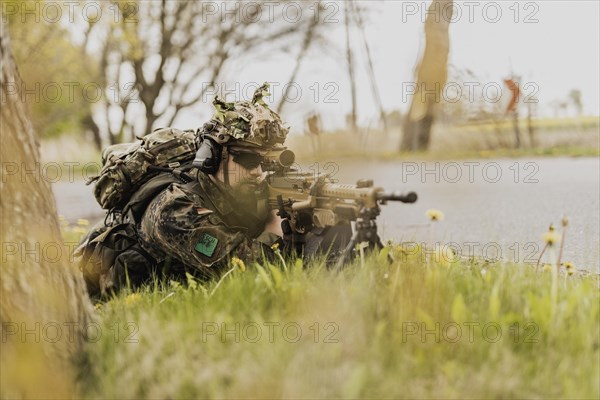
[(250, 124)]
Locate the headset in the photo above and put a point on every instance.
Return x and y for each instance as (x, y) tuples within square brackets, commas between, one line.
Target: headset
[(210, 152)]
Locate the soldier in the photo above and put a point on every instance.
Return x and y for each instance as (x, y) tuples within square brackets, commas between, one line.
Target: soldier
[(222, 213)]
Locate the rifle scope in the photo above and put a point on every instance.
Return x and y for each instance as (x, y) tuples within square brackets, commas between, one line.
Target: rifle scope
[(281, 158)]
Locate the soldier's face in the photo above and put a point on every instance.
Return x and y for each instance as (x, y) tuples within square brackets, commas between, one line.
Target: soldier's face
[(246, 179), (240, 176)]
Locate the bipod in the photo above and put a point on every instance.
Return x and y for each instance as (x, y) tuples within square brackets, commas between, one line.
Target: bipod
[(365, 237)]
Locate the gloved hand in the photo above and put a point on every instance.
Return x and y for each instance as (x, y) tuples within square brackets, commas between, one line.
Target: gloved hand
[(292, 240)]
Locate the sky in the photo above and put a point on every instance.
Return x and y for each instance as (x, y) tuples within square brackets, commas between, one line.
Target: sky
[(553, 45)]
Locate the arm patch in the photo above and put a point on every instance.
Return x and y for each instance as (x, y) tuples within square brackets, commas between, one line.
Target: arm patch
[(206, 244)]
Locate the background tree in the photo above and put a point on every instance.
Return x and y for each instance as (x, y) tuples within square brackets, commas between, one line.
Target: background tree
[(52, 70), (575, 97), (38, 284), (311, 32), (164, 57), (432, 73), (352, 116)]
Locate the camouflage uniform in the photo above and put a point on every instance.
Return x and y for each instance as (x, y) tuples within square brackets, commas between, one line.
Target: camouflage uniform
[(200, 225), (195, 226)]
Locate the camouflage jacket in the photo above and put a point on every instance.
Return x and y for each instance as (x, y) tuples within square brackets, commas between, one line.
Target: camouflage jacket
[(202, 224)]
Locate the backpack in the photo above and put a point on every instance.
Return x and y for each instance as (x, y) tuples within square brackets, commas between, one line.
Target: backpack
[(127, 166), (132, 174)]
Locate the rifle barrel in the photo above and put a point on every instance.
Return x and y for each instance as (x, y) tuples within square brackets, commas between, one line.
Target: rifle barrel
[(409, 197)]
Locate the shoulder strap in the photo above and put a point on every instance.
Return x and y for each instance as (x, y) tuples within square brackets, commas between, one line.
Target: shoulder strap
[(136, 206)]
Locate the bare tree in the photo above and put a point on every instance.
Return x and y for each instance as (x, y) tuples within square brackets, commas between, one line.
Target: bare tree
[(59, 107), (351, 75), (432, 74), (39, 287), (166, 57), (531, 108), (357, 11), (309, 36), (575, 98), (577, 103)]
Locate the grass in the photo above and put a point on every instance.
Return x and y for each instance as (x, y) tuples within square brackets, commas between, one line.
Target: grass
[(412, 329), (450, 142), (583, 122), (362, 333)]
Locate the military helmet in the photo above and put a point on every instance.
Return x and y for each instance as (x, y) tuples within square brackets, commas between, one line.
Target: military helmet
[(250, 124)]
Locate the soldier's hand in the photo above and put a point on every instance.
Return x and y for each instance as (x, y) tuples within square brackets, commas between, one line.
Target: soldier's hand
[(274, 224), (292, 240)]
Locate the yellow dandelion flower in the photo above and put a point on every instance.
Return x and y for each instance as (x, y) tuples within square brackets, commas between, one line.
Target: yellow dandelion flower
[(236, 262), (83, 222), (275, 246), (547, 268), (570, 268), (434, 215), (551, 237), (132, 298)]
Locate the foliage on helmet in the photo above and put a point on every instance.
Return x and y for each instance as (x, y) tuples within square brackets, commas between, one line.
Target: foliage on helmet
[(251, 123)]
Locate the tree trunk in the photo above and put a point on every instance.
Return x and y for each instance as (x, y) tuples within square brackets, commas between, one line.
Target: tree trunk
[(515, 123), (88, 123), (43, 302), (350, 63), (530, 129), (431, 78)]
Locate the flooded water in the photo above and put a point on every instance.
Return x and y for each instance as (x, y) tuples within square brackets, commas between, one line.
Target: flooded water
[(492, 208)]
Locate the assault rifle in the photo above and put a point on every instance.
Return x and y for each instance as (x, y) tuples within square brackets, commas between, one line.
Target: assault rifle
[(311, 200)]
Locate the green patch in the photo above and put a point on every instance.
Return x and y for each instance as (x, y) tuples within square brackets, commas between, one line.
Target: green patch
[(206, 244)]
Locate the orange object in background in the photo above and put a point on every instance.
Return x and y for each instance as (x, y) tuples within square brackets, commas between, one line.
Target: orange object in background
[(516, 91)]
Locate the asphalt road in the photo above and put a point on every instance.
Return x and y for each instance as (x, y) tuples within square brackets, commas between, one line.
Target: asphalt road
[(493, 208)]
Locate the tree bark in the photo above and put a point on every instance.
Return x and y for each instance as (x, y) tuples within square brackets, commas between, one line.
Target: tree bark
[(89, 124), (431, 78), (43, 301), (350, 63)]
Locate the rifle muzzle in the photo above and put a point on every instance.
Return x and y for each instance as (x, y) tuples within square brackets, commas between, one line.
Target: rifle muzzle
[(410, 197)]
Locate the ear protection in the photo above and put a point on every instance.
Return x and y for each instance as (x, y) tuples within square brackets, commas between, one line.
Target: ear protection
[(209, 154)]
